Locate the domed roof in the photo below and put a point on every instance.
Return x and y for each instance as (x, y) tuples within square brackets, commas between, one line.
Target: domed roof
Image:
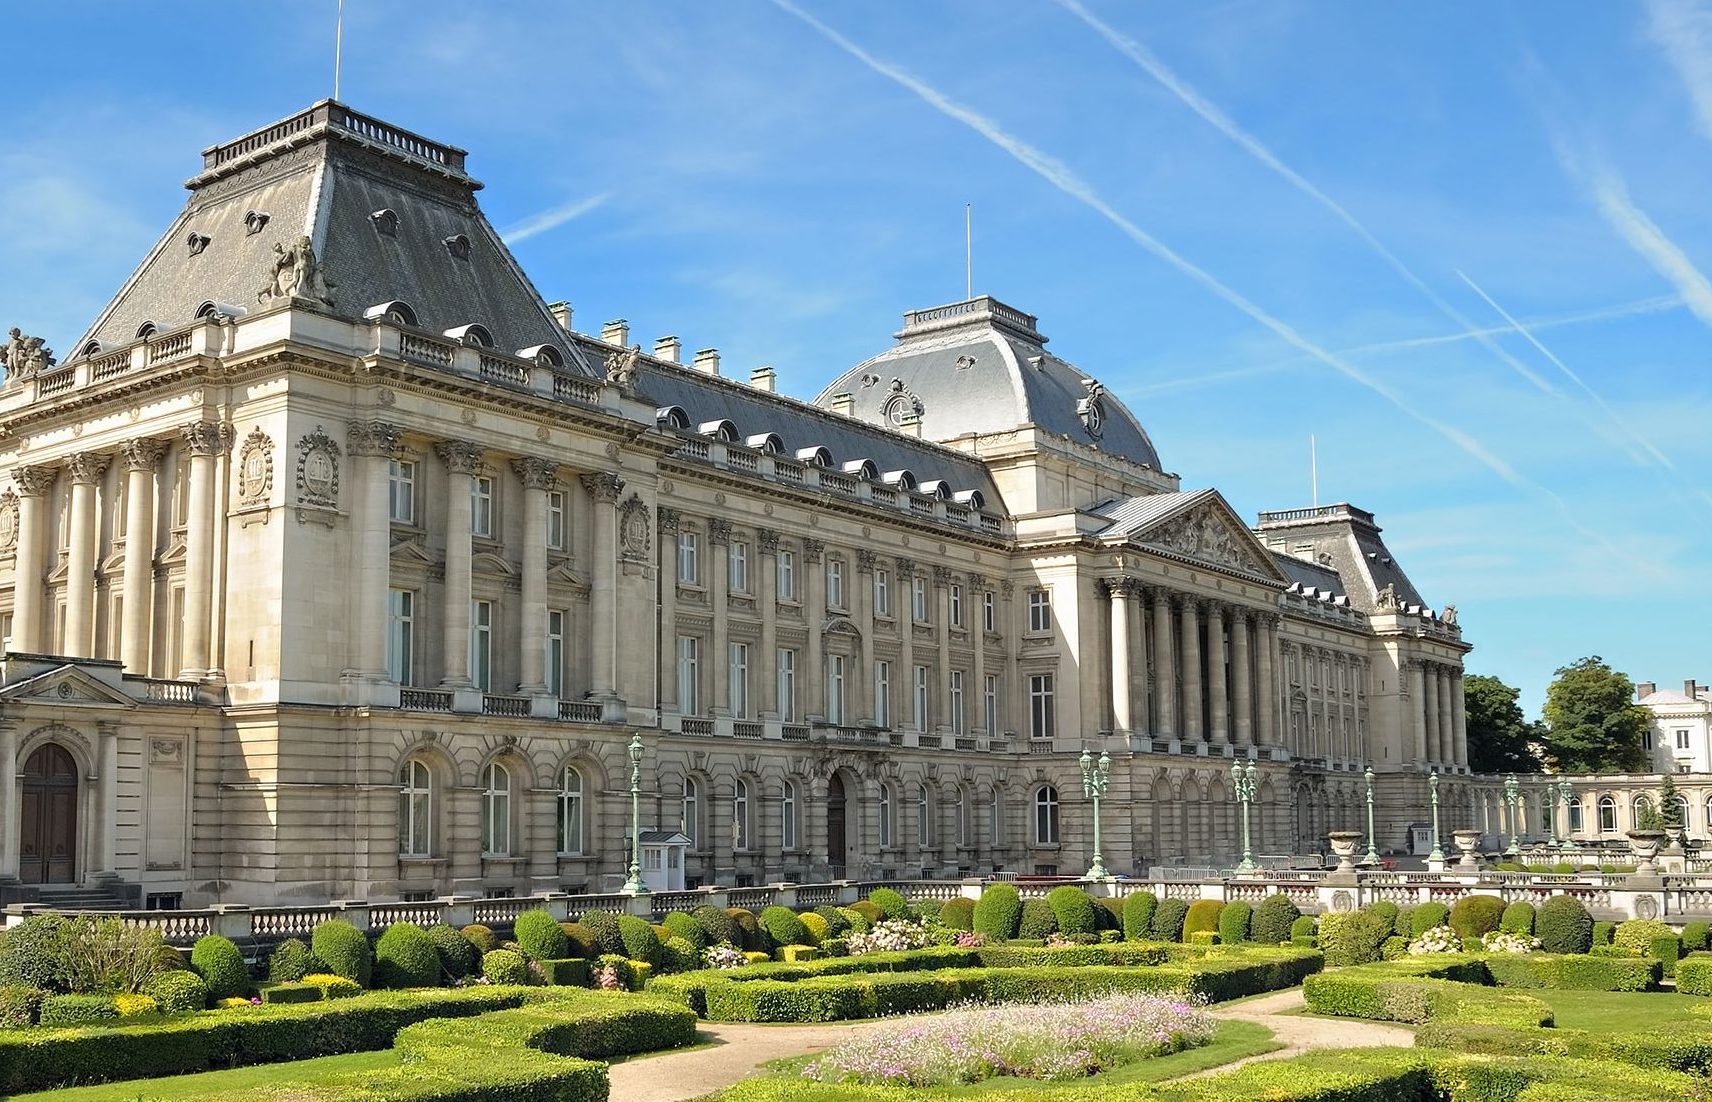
[(981, 367)]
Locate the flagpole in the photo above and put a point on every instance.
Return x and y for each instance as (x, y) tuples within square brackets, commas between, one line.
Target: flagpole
[(338, 47)]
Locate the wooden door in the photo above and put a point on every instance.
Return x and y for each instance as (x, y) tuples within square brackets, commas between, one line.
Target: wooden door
[(48, 834), (836, 842)]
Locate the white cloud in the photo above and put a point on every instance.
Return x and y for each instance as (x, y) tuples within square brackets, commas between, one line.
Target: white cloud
[(1682, 29)]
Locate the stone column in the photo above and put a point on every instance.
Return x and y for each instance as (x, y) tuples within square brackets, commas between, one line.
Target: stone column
[(767, 605), (1418, 693), (207, 441), (977, 692), (463, 460), (1192, 699), (811, 681), (906, 651), (107, 815), (1119, 590), (1435, 744), (668, 521), (1266, 642), (538, 476), (604, 487), (942, 635), (718, 586), (1447, 719), (1164, 666), (1218, 690), (1012, 687), (1242, 694), (142, 460), (1459, 723), (86, 471), (372, 446), (11, 810), (28, 600), (863, 673)]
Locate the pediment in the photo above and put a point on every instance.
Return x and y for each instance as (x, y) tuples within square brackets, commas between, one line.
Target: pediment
[(411, 551), (561, 574), (1207, 530), (67, 687), (486, 562)]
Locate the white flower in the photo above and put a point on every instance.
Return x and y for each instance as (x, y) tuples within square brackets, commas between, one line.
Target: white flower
[(1501, 942), (1439, 939)]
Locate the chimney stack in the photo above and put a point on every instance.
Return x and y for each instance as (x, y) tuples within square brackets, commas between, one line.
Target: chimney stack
[(844, 405), (910, 424), (668, 349), (764, 378), (616, 332), (1645, 689), (707, 360), (561, 312), (1690, 689)]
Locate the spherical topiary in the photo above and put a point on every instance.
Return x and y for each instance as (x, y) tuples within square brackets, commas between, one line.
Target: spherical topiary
[(958, 914), (604, 927), (1476, 915), (458, 958), (1356, 938), (1518, 918), (179, 991), (344, 949), (1202, 917), (818, 930), (1168, 919), (538, 935), (860, 923), (1405, 922), (998, 913), (1427, 916), (718, 926), (1386, 911), (481, 939), (1564, 926), (682, 925), (639, 940), (678, 955), (1073, 908), (1636, 934), (504, 966), (891, 904), (868, 911), (581, 940), (405, 956), (290, 961), (1138, 908), (27, 953), (1304, 926), (217, 960), (783, 926), (755, 937), (1038, 920), (662, 932), (838, 921), (1272, 919), (1234, 921)]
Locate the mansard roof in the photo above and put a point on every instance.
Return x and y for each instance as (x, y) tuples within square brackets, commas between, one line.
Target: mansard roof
[(1345, 539)]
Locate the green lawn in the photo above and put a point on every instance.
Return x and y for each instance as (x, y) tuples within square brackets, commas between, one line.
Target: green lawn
[(211, 1084), (1618, 1011)]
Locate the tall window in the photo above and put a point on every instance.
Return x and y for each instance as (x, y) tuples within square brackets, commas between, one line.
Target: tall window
[(689, 671), (835, 688), (887, 811), (481, 644), (556, 520), (962, 813), (481, 506), (882, 593), (570, 810), (923, 817), (1046, 816), (1682, 738), (834, 583), (737, 567), (556, 652), (957, 714), (1607, 815), (1647, 739), (691, 813), (1042, 710), (996, 820), (788, 815), (1575, 823), (400, 635), (689, 558), (955, 600), (415, 809), (918, 698), (738, 669), (401, 492), (1039, 610), (1643, 807), (918, 600), (786, 575), (496, 811), (990, 704), (787, 685), (989, 613), (883, 693), (740, 815)]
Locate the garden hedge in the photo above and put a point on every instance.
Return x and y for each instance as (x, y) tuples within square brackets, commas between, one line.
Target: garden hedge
[(1476, 915), (217, 960), (1400, 998), (1673, 1050), (958, 914), (1695, 934), (19, 1004), (1573, 973), (1039, 921), (1563, 925), (1694, 976), (784, 927), (1168, 919), (1386, 911), (405, 956), (343, 948), (1603, 931), (1138, 908), (998, 912), (1635, 935), (539, 935), (178, 992), (1272, 919), (78, 1010), (1234, 922)]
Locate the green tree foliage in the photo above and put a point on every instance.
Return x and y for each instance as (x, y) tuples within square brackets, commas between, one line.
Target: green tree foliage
[(1670, 812), (1498, 733), (1592, 722)]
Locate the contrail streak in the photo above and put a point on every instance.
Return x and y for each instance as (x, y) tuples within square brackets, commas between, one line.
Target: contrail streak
[(550, 219), (1645, 237), (1682, 30), (1060, 176)]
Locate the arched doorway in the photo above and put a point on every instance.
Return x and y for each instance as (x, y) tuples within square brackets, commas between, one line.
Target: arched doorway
[(837, 838), (48, 833)]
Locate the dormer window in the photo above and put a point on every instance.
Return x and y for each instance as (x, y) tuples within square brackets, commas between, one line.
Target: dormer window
[(385, 222), (196, 242), (396, 312), (544, 355), (459, 246), (254, 221), (146, 330), (475, 336)]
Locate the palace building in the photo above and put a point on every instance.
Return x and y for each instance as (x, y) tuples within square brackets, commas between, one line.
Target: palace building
[(336, 562)]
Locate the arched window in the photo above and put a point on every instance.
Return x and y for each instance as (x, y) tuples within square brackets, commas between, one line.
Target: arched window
[(962, 797), (691, 815), (886, 833), (788, 810), (996, 821), (1641, 810), (1046, 816), (415, 809), (923, 817), (570, 810), (1607, 815), (740, 816), (496, 811), (1575, 823), (1682, 812)]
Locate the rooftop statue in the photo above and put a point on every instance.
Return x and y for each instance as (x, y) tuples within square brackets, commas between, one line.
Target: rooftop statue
[(297, 275), (1388, 599), (622, 367), (25, 356)]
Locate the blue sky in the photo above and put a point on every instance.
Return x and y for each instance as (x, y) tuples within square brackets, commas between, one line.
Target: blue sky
[(1253, 220)]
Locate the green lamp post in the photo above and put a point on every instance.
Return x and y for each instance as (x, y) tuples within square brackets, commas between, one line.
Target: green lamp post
[(1551, 814), (634, 885), (1242, 780), (1567, 791), (1096, 778), (1513, 798), (1372, 857), (1433, 790)]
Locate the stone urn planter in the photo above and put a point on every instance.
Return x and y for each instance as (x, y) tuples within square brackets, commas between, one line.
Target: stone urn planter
[(1343, 846), (1466, 841), (1645, 844)]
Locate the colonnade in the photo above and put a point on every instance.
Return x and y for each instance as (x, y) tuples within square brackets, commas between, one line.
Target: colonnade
[(1438, 723)]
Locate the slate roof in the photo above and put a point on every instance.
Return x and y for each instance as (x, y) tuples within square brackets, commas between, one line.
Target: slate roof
[(1131, 515), (1350, 541), (1310, 575)]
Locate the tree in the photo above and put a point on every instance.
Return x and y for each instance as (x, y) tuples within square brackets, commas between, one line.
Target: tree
[(1498, 734), (1592, 722), (1670, 812)]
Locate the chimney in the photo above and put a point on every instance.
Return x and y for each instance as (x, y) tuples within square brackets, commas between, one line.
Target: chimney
[(561, 312), (707, 360), (910, 424), (616, 332), (844, 405), (1645, 689), (668, 349), (1690, 689), (764, 378)]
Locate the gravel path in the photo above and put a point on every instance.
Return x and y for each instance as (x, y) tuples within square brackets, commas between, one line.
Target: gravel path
[(1300, 1034)]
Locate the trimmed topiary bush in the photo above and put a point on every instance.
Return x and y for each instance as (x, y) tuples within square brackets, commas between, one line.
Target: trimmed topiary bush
[(868, 911), (1694, 935), (1234, 922), (1518, 918), (19, 1005), (1138, 908), (1387, 911), (678, 955), (859, 923), (818, 930), (1074, 910), (998, 914), (505, 966), (343, 949), (1038, 920), (582, 941), (66, 1011), (405, 956), (927, 910), (1603, 932), (686, 927), (1168, 919), (290, 961), (538, 935), (958, 914), (838, 920), (1202, 917), (1304, 926), (458, 958), (1272, 919), (604, 927), (784, 927), (717, 926), (1354, 938), (1563, 925), (639, 940), (27, 953), (481, 939), (1426, 917), (1476, 915), (891, 904), (754, 938), (1635, 935), (217, 960), (178, 992)]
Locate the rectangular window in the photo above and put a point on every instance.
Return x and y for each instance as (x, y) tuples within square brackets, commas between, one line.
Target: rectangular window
[(481, 506), (555, 520), (882, 593), (401, 635), (1646, 740), (835, 689), (481, 644), (1682, 738), (787, 685), (990, 704), (401, 492), (689, 558), (918, 698), (738, 658), (955, 597), (989, 613), (1042, 711), (175, 635), (689, 680), (918, 600), (737, 568), (834, 583), (787, 575), (1039, 610), (556, 620), (957, 714), (883, 693)]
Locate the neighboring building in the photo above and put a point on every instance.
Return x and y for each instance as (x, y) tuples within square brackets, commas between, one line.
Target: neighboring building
[(1680, 738), (334, 562)]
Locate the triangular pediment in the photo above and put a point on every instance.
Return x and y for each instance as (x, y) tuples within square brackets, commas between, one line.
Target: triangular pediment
[(561, 574), (1202, 527), (411, 551), (67, 687)]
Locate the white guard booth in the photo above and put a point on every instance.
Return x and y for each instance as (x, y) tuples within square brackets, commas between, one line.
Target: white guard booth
[(663, 860)]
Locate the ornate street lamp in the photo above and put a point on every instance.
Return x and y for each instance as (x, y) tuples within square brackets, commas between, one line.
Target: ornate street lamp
[(1565, 790), (1242, 780), (1372, 857), (1551, 814), (1096, 778), (1512, 797), (634, 885), (1433, 790)]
